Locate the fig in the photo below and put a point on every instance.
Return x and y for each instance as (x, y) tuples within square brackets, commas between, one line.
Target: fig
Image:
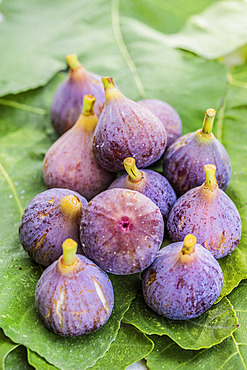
[(121, 231), (68, 99), (126, 129), (208, 213), (73, 295), (167, 115), (150, 183), (70, 163), (185, 158), (49, 219), (183, 281)]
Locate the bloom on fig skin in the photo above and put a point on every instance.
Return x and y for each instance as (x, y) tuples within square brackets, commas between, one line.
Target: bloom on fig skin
[(185, 158), (50, 218), (68, 99), (70, 163), (208, 213), (73, 295), (183, 281), (126, 129), (167, 115)]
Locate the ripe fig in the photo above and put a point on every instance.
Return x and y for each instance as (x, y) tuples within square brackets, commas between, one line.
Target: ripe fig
[(67, 102), (126, 129), (121, 231), (208, 213), (185, 158), (183, 281), (167, 115), (49, 219), (70, 162), (150, 183), (73, 295)]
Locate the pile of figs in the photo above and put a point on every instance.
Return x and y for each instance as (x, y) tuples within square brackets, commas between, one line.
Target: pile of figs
[(105, 212)]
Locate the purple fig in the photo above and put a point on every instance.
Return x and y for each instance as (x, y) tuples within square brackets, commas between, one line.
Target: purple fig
[(150, 183), (70, 162), (121, 231), (67, 102), (185, 158), (183, 281), (126, 129), (167, 115), (49, 219), (208, 213), (73, 295)]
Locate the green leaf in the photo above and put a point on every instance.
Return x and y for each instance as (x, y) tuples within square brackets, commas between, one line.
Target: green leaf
[(164, 16), (218, 31), (130, 346), (211, 328), (230, 354), (6, 346), (38, 362), (69, 28), (17, 360), (232, 114)]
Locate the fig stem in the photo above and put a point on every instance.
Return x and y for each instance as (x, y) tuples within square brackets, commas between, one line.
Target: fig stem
[(69, 251), (189, 244), (88, 105), (208, 121), (108, 82), (70, 205), (72, 61), (135, 175), (111, 92), (211, 181)]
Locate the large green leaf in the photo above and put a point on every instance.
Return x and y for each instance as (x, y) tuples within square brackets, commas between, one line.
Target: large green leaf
[(232, 114), (218, 31), (6, 346), (230, 354), (130, 346), (38, 362), (96, 30), (209, 329), (17, 360)]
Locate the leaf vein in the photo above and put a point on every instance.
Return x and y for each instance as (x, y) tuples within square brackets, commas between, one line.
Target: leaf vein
[(123, 48), (239, 353), (12, 187), (24, 107)]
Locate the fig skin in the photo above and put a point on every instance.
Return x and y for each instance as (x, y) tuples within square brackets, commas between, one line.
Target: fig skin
[(121, 231), (167, 115), (75, 300), (70, 163), (185, 158), (126, 129), (45, 224), (182, 285), (152, 184), (208, 213), (67, 102)]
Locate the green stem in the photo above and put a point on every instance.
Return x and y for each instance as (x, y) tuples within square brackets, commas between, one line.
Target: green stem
[(130, 167), (208, 121), (73, 62), (88, 105), (108, 82), (69, 251), (211, 181), (189, 244)]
